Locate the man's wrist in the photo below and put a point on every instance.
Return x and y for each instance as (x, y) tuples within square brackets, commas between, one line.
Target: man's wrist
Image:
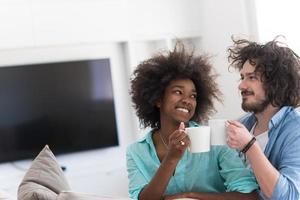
[(248, 145)]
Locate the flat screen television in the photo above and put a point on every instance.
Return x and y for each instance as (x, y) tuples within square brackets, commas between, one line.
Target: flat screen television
[(67, 105)]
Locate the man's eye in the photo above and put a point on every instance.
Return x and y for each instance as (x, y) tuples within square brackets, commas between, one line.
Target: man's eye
[(252, 78), (178, 92)]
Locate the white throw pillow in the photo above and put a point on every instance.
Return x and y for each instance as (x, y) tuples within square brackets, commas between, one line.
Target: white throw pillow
[(44, 179)]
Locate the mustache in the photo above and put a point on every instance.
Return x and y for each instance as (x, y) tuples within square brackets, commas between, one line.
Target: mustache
[(247, 92)]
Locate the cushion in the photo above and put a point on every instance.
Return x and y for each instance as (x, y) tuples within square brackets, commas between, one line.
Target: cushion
[(68, 195), (5, 196), (44, 180)]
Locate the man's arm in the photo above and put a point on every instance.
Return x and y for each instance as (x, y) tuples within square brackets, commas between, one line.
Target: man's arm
[(266, 175), (276, 183)]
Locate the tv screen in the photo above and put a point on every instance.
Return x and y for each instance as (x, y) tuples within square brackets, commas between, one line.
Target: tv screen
[(67, 105)]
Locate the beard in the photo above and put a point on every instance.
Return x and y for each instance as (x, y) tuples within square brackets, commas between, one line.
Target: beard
[(255, 107)]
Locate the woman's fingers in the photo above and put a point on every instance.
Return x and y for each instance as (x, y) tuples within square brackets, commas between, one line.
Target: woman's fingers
[(179, 139), (181, 126)]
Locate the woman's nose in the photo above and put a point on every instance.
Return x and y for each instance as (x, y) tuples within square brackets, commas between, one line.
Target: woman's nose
[(187, 100)]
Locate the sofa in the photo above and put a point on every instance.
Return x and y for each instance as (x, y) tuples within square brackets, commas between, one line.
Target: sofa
[(45, 180)]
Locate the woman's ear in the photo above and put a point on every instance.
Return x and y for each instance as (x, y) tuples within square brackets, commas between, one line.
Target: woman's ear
[(158, 103)]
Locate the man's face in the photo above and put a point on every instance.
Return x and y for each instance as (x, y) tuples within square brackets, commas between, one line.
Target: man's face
[(252, 91)]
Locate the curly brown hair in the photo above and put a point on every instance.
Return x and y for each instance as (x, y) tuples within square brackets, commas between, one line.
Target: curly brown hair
[(278, 65), (152, 76)]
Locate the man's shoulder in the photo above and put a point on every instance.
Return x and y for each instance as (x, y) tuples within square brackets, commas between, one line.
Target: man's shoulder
[(289, 127), (246, 117), (248, 120), (292, 118), (294, 113)]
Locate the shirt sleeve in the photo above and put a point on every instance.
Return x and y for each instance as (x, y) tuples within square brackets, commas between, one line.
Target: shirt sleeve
[(136, 179), (236, 176), (288, 184)]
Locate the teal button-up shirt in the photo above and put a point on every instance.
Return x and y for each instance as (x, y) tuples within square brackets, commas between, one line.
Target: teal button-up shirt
[(218, 170)]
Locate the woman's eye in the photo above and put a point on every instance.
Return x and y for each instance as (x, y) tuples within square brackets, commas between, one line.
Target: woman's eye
[(194, 96), (178, 92), (252, 77)]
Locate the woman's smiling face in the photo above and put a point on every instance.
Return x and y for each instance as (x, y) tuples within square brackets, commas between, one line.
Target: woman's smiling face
[(179, 101)]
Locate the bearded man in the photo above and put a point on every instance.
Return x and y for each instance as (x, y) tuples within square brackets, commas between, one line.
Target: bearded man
[(269, 136)]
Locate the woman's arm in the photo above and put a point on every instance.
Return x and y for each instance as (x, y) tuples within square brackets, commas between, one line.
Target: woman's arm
[(215, 196), (158, 184)]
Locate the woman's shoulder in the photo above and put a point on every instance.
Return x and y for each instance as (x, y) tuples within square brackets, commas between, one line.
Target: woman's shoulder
[(140, 144), (193, 124)]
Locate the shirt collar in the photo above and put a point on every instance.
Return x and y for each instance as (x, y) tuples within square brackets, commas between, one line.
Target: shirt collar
[(276, 119), (148, 137), (274, 122)]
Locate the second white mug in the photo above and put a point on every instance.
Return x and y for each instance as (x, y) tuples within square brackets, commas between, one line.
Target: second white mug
[(200, 139), (218, 131)]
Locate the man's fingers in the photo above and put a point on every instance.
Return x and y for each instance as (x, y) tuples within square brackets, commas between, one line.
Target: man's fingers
[(235, 123)]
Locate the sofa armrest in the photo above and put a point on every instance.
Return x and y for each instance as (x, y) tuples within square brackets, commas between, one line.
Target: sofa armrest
[(70, 195)]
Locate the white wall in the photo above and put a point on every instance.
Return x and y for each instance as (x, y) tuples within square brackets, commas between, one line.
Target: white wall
[(279, 18), (220, 20), (34, 31)]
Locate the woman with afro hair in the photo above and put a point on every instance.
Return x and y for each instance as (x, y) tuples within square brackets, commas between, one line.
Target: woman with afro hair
[(171, 92)]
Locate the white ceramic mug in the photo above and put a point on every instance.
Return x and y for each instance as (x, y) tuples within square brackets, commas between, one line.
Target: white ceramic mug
[(217, 131), (200, 139)]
